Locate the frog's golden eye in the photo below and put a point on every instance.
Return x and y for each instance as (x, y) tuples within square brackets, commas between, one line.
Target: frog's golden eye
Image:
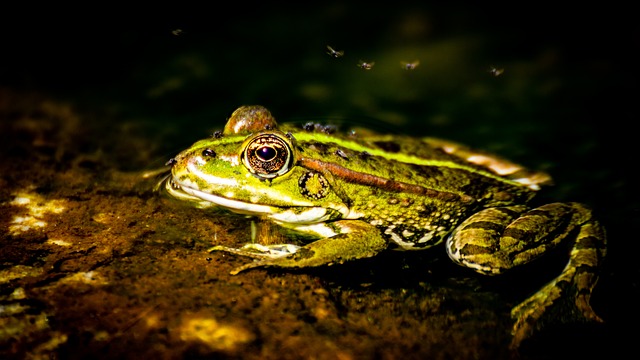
[(267, 156)]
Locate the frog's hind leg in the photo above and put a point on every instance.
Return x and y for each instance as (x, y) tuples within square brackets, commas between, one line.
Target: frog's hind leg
[(498, 239)]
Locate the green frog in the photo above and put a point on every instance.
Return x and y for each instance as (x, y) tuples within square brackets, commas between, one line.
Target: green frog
[(359, 193)]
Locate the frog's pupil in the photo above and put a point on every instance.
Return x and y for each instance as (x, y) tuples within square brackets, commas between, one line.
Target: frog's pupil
[(266, 153)]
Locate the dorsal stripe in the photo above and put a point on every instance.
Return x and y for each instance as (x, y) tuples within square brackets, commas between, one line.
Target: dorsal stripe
[(356, 177)]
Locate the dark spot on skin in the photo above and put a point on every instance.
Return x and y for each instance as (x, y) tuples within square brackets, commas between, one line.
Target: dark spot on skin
[(430, 172), (525, 236), (309, 126), (392, 201), (590, 242), (388, 146), (364, 155), (208, 153), (427, 211), (329, 129), (342, 154), (471, 249), (319, 147), (474, 189), (268, 127), (217, 134), (209, 259), (485, 225)]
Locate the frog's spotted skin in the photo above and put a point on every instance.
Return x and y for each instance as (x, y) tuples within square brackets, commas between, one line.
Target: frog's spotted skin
[(361, 193)]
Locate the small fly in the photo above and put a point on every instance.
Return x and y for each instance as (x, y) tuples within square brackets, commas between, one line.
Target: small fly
[(410, 65), (366, 65), (334, 53), (496, 71)]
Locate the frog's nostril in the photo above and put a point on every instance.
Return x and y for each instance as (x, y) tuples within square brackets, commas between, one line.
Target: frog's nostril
[(208, 153)]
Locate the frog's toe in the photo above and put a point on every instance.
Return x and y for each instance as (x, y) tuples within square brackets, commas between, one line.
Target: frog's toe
[(291, 260), (251, 265), (258, 251)]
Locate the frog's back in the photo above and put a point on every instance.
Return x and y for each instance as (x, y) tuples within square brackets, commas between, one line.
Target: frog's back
[(436, 164)]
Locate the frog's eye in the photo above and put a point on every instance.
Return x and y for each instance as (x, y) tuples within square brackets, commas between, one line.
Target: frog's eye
[(267, 156)]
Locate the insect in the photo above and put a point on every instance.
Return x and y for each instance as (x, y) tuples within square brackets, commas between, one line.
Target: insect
[(410, 65), (366, 65), (496, 71), (334, 53)]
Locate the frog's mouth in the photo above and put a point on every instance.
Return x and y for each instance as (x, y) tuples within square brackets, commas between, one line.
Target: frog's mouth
[(288, 214)]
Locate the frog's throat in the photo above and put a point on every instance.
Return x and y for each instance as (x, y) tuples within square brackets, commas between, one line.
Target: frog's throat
[(286, 215)]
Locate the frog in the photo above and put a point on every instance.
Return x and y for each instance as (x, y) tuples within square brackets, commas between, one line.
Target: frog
[(358, 193)]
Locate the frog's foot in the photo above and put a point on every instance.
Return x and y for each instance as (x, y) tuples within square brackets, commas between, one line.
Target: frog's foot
[(557, 302), (566, 298), (265, 253), (258, 251)]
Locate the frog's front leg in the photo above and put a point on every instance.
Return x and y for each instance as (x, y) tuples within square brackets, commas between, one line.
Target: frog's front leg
[(498, 239), (348, 240), (266, 242)]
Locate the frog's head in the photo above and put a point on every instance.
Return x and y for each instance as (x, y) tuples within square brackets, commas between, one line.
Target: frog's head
[(251, 168)]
